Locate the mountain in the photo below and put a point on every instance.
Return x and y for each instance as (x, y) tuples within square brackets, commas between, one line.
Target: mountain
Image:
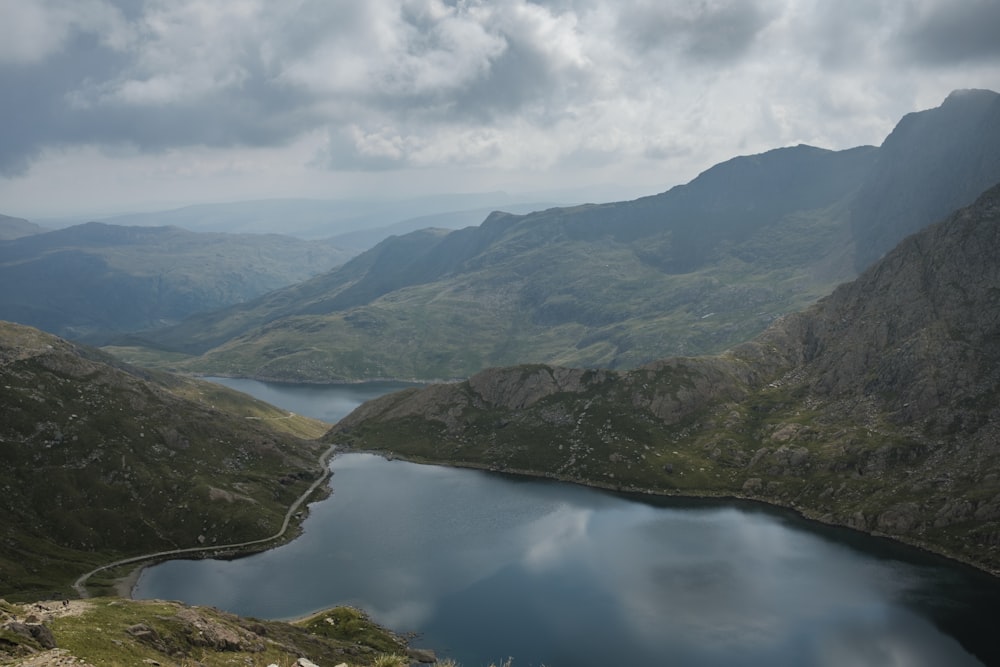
[(932, 163), (94, 279), (100, 461), (612, 284), (876, 408), (693, 270), (14, 228)]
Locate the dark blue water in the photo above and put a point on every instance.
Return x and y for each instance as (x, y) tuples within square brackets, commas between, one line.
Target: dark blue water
[(486, 566)]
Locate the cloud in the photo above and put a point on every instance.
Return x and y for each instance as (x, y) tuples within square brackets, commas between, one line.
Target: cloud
[(710, 32), (952, 33), (516, 88)]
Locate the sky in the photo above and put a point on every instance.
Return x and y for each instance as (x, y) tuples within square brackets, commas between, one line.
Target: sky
[(110, 106)]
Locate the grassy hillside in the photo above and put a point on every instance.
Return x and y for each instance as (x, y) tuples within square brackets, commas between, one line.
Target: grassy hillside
[(875, 409), (99, 461)]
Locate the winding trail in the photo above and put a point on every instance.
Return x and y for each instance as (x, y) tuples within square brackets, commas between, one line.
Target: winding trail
[(80, 585)]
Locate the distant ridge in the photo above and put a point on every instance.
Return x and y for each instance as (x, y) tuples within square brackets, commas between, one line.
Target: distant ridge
[(14, 228), (693, 270), (94, 280)]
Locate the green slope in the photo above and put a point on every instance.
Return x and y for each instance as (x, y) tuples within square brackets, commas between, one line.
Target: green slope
[(100, 461)]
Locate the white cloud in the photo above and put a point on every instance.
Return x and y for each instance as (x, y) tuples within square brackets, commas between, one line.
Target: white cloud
[(509, 91), (33, 31)]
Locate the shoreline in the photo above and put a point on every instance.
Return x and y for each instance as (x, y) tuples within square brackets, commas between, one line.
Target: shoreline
[(803, 513), (125, 586), (235, 550)]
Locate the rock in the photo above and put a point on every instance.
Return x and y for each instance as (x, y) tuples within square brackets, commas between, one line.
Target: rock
[(218, 636), (900, 519), (39, 633), (425, 656), (148, 636), (305, 662)]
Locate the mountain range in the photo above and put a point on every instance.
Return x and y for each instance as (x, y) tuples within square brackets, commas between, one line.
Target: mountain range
[(877, 408), (693, 270), (14, 228), (93, 280)]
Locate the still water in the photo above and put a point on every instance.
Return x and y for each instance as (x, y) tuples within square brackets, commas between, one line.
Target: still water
[(486, 566)]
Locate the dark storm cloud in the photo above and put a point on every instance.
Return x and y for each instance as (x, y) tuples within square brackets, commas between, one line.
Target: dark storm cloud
[(951, 33), (711, 32), (78, 95)]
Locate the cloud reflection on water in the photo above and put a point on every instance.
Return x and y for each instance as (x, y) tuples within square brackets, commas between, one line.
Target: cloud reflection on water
[(544, 567)]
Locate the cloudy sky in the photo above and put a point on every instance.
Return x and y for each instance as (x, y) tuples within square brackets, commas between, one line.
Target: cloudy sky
[(114, 105)]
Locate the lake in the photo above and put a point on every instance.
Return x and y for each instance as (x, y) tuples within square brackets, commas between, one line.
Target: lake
[(485, 566)]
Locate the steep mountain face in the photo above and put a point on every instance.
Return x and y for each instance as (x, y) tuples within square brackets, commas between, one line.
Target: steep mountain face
[(932, 163), (693, 270), (99, 460), (877, 408), (14, 228), (94, 279)]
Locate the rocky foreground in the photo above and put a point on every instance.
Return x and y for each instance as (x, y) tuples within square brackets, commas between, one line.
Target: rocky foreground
[(99, 632)]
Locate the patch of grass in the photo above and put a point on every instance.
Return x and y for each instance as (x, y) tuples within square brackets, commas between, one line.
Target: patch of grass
[(351, 625)]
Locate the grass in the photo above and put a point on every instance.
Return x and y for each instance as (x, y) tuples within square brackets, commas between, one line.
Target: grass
[(100, 462), (124, 632)]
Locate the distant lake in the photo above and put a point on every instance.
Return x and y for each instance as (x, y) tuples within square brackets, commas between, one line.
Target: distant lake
[(485, 566), (328, 402)]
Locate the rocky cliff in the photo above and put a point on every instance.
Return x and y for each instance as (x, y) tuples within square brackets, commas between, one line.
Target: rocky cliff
[(877, 408)]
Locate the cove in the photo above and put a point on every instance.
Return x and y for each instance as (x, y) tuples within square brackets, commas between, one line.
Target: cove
[(485, 566)]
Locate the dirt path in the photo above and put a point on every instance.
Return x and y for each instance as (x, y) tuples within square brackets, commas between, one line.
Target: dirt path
[(80, 585)]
